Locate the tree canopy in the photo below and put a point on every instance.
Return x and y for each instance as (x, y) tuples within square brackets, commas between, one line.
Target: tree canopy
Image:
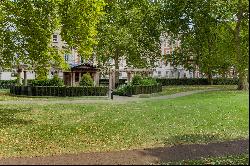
[(213, 34)]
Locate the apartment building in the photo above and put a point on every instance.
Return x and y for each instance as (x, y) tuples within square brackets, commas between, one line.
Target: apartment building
[(162, 69)]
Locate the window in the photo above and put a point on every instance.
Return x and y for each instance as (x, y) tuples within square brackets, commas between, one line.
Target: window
[(167, 74), (159, 73), (172, 74), (66, 57), (55, 38)]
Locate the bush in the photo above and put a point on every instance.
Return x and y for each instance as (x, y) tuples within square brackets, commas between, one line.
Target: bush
[(40, 82), (56, 81), (148, 81), (6, 84), (136, 80), (86, 80), (197, 81), (128, 90), (124, 90), (58, 91)]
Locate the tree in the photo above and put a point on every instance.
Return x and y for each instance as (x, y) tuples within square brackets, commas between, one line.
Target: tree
[(214, 34), (28, 28), (234, 16), (79, 21), (129, 29)]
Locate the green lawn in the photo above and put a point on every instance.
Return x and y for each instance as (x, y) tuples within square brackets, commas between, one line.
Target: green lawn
[(168, 90), (227, 160), (32, 130)]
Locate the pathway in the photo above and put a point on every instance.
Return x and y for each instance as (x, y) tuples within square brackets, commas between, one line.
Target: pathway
[(136, 157), (117, 99)]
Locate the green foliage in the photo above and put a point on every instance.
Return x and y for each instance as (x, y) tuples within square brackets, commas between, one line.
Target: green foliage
[(213, 34), (138, 80), (86, 80), (129, 29), (148, 81), (6, 84), (79, 21), (28, 27), (197, 81), (128, 90), (62, 91), (55, 81)]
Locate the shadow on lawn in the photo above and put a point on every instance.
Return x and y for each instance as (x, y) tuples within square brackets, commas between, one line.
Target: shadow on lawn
[(187, 147), (8, 118), (191, 138)]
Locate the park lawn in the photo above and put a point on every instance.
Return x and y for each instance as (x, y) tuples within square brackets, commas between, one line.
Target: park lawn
[(169, 90), (32, 130), (242, 159)]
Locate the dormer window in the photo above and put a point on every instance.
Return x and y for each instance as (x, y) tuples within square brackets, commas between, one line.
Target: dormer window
[(55, 39)]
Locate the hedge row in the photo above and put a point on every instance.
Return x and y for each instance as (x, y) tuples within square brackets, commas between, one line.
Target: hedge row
[(6, 84), (58, 91), (197, 81), (138, 89), (129, 90)]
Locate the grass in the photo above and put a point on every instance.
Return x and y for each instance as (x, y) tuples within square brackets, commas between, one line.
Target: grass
[(242, 159), (32, 130), (168, 90)]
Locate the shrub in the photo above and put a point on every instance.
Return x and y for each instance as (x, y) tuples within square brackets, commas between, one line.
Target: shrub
[(58, 91), (148, 81), (197, 81), (128, 90), (40, 82), (86, 80), (56, 81), (136, 80), (6, 84)]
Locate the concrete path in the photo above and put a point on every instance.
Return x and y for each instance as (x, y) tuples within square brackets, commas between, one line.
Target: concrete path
[(117, 99), (139, 157)]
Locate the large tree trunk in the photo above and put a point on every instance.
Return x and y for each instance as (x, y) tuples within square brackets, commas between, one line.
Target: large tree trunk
[(116, 59), (241, 68), (243, 83), (210, 78)]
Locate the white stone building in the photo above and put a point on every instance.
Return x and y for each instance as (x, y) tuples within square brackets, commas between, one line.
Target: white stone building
[(162, 69)]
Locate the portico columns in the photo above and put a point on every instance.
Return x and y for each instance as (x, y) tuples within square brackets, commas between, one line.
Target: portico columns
[(25, 78), (73, 78), (96, 78), (129, 76)]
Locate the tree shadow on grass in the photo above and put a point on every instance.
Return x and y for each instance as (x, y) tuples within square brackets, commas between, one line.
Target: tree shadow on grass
[(191, 139), (8, 117), (192, 147)]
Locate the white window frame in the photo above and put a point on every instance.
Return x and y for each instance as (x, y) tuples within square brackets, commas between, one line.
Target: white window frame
[(55, 38)]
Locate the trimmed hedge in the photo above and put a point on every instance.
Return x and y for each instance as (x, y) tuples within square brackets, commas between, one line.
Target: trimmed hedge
[(197, 81), (6, 84), (106, 81), (145, 89), (58, 91), (128, 90)]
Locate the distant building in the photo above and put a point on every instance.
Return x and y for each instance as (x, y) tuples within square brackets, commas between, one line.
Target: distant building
[(162, 69)]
